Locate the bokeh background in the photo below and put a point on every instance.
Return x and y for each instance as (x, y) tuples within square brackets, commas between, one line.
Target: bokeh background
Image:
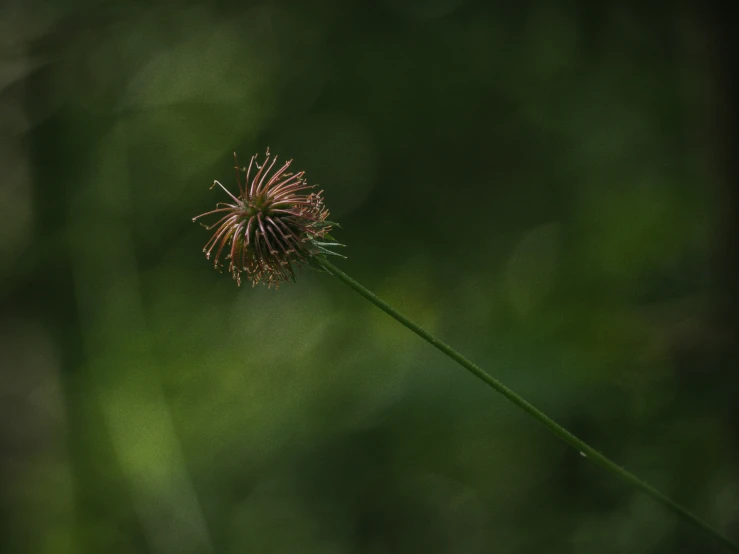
[(550, 187)]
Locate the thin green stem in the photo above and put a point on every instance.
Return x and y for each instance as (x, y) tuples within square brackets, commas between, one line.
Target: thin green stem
[(584, 448)]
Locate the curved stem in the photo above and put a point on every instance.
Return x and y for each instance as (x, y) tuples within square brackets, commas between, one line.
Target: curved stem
[(584, 448)]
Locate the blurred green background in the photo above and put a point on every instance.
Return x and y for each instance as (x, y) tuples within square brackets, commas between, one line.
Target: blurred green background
[(550, 188)]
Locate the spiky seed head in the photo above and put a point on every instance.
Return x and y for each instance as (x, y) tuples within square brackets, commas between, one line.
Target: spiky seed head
[(272, 227)]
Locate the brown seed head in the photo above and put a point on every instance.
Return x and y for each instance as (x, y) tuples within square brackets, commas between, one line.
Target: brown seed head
[(273, 226)]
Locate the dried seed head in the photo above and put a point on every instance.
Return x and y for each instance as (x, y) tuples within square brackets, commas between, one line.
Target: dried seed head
[(272, 227)]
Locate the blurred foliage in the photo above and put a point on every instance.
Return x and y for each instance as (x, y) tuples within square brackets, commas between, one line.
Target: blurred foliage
[(537, 183)]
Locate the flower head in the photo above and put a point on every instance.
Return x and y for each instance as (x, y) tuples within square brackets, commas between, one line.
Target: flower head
[(273, 226)]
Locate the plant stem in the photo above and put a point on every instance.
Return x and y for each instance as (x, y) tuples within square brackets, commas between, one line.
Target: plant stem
[(584, 448)]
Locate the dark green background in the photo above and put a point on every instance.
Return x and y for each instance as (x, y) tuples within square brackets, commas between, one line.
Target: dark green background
[(550, 187)]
